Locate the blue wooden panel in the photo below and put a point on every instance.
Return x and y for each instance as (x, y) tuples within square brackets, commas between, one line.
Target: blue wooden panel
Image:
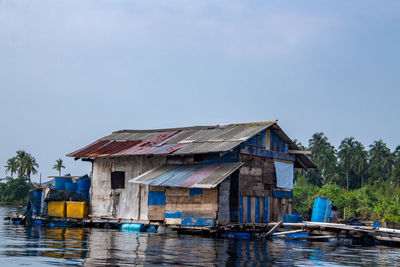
[(282, 194), (282, 146), (254, 140), (261, 152), (257, 210), (232, 156), (248, 209), (156, 198), (257, 140), (266, 209), (241, 209), (275, 142), (196, 191), (173, 214), (198, 222), (263, 134)]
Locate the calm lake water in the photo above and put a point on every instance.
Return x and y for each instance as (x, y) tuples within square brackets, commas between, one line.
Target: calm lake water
[(96, 247)]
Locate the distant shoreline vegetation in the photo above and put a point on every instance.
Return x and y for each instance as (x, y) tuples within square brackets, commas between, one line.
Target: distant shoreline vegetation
[(363, 184), (15, 187)]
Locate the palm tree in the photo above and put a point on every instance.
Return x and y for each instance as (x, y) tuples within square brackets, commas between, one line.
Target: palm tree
[(12, 166), (396, 157), (360, 162), (29, 165), (21, 155), (324, 156), (58, 166), (396, 163), (381, 160), (346, 155), (299, 171)]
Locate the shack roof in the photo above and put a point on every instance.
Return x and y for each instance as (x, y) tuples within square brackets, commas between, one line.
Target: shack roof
[(182, 141), (189, 175)]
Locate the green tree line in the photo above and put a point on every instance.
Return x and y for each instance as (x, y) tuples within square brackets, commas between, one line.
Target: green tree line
[(363, 183), (16, 185)]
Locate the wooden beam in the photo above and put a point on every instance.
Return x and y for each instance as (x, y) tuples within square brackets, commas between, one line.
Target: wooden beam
[(289, 232), (302, 152), (272, 229), (301, 163), (64, 176)]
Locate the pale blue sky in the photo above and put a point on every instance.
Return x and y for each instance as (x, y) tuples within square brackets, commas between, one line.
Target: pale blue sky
[(74, 71)]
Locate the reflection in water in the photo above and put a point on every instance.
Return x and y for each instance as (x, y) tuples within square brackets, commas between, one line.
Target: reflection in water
[(38, 246), (65, 243)]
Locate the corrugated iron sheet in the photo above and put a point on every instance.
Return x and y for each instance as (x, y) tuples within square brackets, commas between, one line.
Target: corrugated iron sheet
[(189, 176), (198, 148), (194, 140), (87, 149)]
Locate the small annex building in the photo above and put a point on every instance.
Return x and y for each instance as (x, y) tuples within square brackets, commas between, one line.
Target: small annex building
[(194, 176)]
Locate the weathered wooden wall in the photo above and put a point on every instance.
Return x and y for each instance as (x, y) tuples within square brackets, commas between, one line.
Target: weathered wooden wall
[(224, 202), (129, 202), (257, 181)]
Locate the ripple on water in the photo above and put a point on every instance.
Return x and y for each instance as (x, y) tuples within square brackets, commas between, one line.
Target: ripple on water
[(95, 247)]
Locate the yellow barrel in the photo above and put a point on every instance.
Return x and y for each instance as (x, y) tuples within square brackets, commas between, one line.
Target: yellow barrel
[(56, 208), (77, 209)]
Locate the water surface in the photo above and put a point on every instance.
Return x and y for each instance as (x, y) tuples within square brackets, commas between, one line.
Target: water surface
[(95, 247)]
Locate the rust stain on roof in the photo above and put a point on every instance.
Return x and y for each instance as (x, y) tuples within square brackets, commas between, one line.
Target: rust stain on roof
[(197, 139)]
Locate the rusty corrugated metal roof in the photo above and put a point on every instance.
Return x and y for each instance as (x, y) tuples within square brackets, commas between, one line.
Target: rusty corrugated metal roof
[(177, 141)]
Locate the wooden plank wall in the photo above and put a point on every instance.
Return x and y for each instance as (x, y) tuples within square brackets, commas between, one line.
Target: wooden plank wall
[(185, 206), (257, 180), (156, 208), (263, 209), (224, 202), (254, 209)]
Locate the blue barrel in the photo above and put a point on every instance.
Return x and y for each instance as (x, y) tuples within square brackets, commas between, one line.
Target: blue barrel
[(60, 182), (84, 193), (133, 227), (376, 225), (73, 187), (37, 199), (151, 229), (83, 184), (321, 210)]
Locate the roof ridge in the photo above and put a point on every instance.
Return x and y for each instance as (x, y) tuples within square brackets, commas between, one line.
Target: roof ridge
[(167, 129), (256, 123), (196, 127)]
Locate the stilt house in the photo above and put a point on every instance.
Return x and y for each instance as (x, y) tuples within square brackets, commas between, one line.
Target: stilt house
[(194, 176)]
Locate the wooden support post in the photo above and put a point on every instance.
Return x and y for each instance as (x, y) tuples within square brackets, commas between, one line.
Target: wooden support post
[(272, 229)]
